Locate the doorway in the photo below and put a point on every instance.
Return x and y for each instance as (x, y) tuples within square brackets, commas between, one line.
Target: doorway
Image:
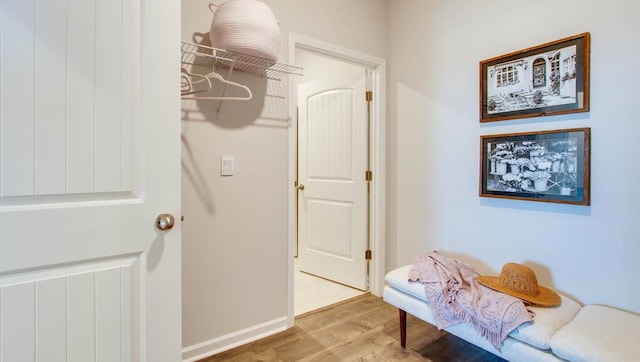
[(337, 134), (332, 199)]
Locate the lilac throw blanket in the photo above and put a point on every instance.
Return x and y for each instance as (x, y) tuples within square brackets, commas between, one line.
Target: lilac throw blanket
[(455, 296)]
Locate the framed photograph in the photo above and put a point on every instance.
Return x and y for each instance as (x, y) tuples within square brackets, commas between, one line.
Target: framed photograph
[(548, 166), (548, 79)]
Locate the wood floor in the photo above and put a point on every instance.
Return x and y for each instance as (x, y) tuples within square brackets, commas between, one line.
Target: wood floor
[(361, 329)]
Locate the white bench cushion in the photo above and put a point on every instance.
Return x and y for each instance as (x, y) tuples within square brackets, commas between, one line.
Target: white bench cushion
[(546, 322), (399, 279), (599, 333)]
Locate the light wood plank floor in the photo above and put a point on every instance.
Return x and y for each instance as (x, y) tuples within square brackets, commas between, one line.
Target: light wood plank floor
[(362, 329)]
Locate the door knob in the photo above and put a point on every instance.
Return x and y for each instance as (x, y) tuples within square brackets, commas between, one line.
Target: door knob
[(300, 187), (164, 222)]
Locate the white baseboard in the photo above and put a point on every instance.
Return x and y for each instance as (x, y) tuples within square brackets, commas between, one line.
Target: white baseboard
[(231, 340)]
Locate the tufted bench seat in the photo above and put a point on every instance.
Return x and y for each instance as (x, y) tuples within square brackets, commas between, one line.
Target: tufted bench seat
[(567, 332)]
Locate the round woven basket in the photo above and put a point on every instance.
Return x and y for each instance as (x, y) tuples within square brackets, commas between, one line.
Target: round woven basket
[(246, 26)]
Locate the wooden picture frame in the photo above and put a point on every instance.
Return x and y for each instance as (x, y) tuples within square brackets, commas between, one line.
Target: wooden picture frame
[(544, 80), (547, 166)]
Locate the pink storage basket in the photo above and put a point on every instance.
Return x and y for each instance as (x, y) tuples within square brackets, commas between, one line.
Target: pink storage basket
[(245, 26)]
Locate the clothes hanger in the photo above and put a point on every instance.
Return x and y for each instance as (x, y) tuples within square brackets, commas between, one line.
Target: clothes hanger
[(185, 84), (188, 88), (219, 78)]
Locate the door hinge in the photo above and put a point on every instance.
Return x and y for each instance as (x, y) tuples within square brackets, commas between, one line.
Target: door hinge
[(368, 95), (368, 176), (367, 254)]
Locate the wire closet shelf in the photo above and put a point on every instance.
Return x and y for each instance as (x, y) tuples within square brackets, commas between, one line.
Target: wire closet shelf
[(206, 56)]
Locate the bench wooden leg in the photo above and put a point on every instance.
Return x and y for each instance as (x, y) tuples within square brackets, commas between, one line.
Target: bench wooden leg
[(403, 328)]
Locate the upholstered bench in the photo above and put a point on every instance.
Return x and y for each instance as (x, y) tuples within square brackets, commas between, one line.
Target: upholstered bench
[(566, 332)]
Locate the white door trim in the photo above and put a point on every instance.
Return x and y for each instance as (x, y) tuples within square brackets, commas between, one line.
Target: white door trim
[(377, 141)]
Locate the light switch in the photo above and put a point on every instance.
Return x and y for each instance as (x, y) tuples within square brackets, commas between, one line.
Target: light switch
[(226, 165)]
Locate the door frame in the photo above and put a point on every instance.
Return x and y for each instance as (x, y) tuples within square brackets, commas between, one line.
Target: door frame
[(377, 67)]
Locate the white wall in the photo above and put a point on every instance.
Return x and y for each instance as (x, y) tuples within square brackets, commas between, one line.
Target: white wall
[(235, 228), (588, 252)]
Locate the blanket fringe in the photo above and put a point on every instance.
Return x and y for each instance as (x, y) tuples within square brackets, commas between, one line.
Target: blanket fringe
[(495, 337)]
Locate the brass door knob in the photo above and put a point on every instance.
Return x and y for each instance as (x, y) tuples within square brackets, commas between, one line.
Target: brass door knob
[(165, 222), (300, 187)]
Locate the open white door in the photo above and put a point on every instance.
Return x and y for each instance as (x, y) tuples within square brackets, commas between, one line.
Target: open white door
[(332, 162), (89, 156)]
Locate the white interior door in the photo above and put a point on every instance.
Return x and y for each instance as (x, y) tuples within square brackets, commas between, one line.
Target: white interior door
[(89, 156), (332, 161)]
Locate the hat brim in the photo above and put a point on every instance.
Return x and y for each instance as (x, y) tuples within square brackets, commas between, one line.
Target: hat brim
[(546, 297)]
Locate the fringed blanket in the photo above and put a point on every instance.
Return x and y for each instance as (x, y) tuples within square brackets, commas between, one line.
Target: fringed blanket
[(455, 296)]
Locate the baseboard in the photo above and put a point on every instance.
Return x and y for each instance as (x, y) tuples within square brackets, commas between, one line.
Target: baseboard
[(232, 340)]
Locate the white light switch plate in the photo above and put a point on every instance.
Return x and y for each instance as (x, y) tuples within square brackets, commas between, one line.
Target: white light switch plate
[(226, 165)]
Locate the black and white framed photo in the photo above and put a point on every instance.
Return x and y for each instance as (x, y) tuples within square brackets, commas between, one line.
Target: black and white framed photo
[(548, 79), (548, 166)]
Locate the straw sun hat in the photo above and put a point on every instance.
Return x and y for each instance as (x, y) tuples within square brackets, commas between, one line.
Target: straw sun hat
[(521, 282)]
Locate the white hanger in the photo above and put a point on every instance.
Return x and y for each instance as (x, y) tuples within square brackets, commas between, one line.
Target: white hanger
[(187, 85), (213, 75)]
